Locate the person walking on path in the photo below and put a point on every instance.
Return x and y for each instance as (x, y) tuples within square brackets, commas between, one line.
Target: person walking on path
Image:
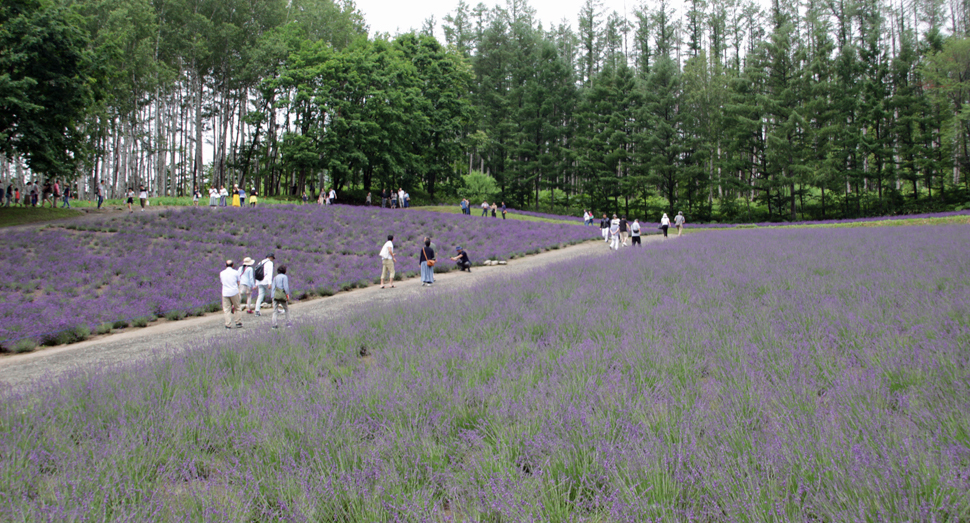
[(623, 231), (664, 224), (504, 210), (100, 194), (464, 264), (426, 260), (587, 217), (252, 199), (679, 222), (131, 199), (263, 284), (66, 192), (230, 295), (605, 229), (485, 209), (281, 296), (332, 196), (143, 197), (387, 261), (635, 233), (615, 233), (400, 197), (9, 193), (247, 282)]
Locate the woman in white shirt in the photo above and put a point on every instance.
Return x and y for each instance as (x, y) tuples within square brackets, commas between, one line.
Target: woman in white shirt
[(664, 224)]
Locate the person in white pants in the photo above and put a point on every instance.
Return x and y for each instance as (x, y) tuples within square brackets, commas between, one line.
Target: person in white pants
[(615, 233), (264, 284), (605, 228)]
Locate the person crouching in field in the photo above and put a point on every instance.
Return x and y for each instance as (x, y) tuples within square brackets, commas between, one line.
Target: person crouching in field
[(387, 261), (464, 264), (605, 228), (426, 261), (281, 295)]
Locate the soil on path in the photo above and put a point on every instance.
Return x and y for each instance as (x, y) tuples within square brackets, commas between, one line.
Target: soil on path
[(167, 338)]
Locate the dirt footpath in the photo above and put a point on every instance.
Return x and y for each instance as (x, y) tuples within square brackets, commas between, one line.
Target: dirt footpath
[(166, 338)]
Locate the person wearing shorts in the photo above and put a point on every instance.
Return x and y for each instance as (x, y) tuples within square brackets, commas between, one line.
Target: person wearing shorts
[(131, 198), (635, 233)]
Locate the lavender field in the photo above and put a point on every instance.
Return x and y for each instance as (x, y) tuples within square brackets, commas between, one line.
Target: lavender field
[(134, 268), (761, 375)]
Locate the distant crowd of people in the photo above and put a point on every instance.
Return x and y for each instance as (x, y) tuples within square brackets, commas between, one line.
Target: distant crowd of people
[(36, 194), (616, 231), (494, 208), (220, 197)]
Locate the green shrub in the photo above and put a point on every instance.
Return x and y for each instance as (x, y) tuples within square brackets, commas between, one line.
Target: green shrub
[(175, 315), (120, 324), (103, 328), (141, 321), (24, 345)]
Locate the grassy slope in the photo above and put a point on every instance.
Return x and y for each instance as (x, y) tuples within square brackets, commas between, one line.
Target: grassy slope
[(454, 209), (20, 215)]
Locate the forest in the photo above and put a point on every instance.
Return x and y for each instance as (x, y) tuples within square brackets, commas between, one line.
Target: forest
[(729, 111)]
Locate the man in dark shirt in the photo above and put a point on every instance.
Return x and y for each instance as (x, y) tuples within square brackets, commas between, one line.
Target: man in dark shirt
[(623, 231), (463, 262), (605, 228)]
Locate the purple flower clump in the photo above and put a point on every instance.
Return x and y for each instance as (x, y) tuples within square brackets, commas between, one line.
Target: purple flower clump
[(751, 375), (167, 264)]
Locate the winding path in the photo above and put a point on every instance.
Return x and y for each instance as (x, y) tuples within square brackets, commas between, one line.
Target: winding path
[(165, 338)]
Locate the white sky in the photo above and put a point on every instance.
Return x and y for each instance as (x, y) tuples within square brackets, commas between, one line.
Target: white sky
[(395, 16)]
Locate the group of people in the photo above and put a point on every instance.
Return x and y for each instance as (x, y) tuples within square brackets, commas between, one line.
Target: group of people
[(393, 200), (616, 231), (219, 197), (241, 283), (494, 208), (326, 198), (426, 261), (34, 193)]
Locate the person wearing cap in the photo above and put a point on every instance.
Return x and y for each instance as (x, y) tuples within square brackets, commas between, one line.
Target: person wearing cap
[(247, 281), (264, 284), (679, 222), (281, 295), (464, 263), (387, 261), (230, 295)]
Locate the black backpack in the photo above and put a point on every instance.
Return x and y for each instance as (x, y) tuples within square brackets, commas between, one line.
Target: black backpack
[(259, 273)]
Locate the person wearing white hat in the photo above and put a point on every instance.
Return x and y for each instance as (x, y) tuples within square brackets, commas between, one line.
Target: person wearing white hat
[(247, 282), (664, 224)]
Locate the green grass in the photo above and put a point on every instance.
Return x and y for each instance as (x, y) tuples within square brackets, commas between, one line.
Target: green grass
[(10, 216), (454, 209)]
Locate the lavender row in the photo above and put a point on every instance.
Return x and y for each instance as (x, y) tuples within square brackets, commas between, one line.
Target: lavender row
[(764, 375), (144, 266)]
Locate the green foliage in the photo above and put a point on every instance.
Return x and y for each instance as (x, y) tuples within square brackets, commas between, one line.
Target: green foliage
[(479, 187)]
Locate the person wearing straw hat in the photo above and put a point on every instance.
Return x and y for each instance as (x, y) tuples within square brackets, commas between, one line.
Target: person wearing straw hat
[(247, 282), (230, 295)]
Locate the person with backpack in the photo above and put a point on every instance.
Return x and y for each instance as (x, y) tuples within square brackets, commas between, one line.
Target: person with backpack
[(635, 233), (281, 296), (263, 274), (247, 282)]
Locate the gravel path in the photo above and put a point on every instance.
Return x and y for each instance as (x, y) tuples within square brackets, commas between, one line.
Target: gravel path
[(165, 338)]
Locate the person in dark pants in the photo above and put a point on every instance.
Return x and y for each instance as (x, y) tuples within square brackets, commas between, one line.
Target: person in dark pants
[(504, 210), (635, 233), (464, 263), (664, 224)]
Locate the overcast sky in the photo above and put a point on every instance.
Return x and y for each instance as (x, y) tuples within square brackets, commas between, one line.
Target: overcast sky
[(395, 16)]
